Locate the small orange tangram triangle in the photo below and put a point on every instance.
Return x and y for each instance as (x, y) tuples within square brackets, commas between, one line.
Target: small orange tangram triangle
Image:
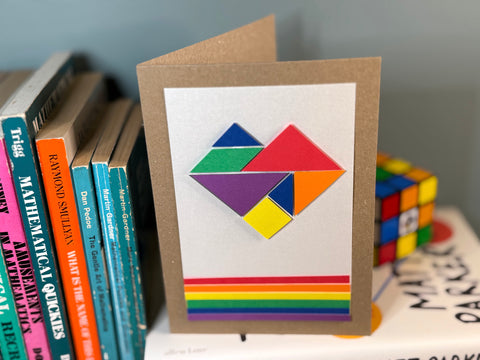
[(309, 185)]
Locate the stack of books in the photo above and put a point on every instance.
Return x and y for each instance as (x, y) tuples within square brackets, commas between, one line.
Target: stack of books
[(76, 217)]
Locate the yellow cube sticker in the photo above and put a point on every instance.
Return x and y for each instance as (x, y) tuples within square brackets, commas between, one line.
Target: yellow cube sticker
[(427, 190), (406, 245)]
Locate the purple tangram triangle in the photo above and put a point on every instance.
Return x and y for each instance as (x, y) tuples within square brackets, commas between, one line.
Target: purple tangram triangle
[(240, 191)]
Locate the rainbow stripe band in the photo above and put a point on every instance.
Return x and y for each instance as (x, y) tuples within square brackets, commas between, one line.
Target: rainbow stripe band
[(306, 298)]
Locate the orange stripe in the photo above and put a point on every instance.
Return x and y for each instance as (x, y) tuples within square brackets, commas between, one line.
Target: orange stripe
[(268, 288)]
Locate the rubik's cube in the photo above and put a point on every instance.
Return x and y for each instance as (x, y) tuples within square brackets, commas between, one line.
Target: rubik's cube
[(404, 204)]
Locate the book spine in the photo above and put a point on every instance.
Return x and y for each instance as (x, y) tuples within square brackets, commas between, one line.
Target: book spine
[(50, 96), (60, 196), (95, 257), (19, 266), (113, 259), (30, 198), (129, 253), (12, 346)]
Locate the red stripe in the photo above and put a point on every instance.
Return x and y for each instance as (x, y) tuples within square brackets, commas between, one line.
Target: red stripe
[(340, 279)]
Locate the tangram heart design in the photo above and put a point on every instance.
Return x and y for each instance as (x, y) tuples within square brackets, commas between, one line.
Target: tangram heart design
[(266, 185)]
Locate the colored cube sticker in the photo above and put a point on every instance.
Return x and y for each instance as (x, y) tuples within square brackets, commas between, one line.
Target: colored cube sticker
[(404, 204), (387, 253), (406, 245), (408, 222)]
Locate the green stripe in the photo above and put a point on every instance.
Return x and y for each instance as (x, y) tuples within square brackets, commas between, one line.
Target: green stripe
[(337, 304)]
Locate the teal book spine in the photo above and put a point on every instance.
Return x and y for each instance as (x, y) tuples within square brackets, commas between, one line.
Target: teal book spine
[(129, 252), (113, 260), (12, 346), (94, 255), (26, 177)]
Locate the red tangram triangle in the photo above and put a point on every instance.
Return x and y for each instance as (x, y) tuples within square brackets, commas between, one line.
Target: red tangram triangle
[(310, 184), (291, 151)]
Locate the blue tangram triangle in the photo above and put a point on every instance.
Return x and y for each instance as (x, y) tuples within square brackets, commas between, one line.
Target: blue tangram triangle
[(283, 194), (236, 136)]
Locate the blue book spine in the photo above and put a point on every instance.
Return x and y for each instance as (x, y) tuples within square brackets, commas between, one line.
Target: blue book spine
[(94, 254), (25, 175), (113, 259), (11, 338), (128, 248)]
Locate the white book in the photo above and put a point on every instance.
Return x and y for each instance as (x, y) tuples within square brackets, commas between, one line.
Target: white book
[(39, 86), (430, 306)]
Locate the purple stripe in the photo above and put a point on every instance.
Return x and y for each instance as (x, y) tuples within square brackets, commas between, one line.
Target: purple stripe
[(268, 317)]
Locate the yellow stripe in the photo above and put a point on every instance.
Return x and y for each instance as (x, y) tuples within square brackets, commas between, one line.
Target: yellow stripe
[(267, 296)]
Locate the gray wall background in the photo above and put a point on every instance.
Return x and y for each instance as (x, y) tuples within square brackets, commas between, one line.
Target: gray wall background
[(430, 91)]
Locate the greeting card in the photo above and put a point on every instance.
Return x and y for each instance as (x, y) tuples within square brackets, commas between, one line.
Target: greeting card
[(263, 175)]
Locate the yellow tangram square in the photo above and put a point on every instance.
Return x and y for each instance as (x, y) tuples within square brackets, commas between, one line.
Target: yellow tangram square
[(267, 218)]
